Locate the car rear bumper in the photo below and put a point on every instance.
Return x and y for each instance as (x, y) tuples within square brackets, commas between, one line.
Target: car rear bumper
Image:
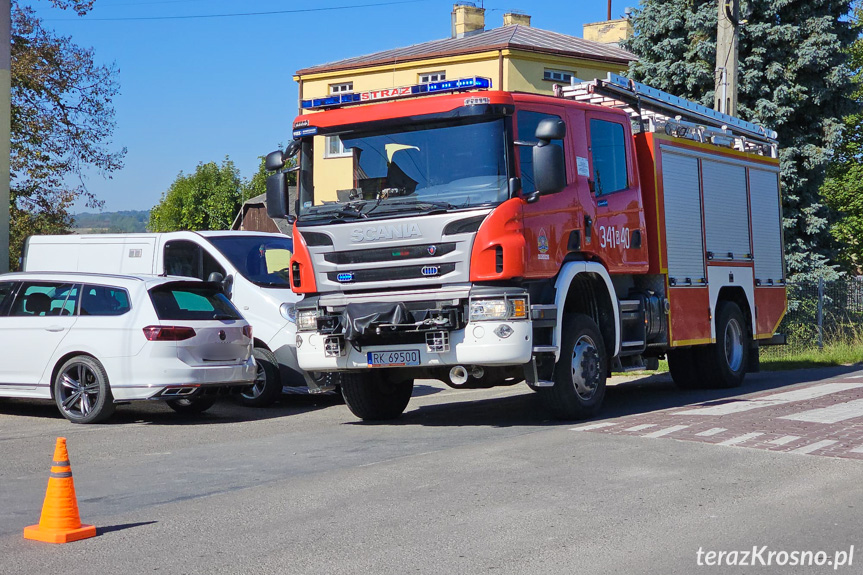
[(175, 375)]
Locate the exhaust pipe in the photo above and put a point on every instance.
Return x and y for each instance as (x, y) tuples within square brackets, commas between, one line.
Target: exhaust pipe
[(458, 375)]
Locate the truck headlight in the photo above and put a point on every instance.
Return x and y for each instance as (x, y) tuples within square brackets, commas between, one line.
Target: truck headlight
[(289, 312), (307, 320), (498, 309)]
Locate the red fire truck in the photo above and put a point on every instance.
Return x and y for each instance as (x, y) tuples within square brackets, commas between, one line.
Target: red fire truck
[(486, 238)]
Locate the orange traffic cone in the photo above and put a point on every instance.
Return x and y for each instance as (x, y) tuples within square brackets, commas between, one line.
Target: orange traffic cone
[(60, 522)]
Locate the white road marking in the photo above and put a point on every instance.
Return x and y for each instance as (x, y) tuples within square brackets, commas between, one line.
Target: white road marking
[(857, 449), (592, 426), (855, 377), (711, 432), (640, 427), (740, 438), (813, 447), (665, 431), (784, 440), (771, 400), (832, 414)]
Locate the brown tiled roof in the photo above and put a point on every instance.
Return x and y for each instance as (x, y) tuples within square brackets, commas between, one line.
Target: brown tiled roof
[(515, 37)]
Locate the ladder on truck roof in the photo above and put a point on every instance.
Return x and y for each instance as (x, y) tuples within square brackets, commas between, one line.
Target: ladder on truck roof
[(653, 110)]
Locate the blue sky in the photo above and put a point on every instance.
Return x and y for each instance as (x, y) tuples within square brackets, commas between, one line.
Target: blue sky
[(199, 89)]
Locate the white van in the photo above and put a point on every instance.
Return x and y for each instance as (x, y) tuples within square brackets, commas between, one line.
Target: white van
[(254, 267)]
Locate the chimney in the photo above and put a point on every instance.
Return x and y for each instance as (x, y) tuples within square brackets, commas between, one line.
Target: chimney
[(467, 20), (516, 19), (608, 31)]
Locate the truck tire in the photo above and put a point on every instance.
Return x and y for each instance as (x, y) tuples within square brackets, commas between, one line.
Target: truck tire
[(683, 366), (371, 398), (268, 381), (723, 364), (580, 373)]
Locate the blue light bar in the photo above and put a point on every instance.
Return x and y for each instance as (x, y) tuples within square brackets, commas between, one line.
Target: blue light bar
[(475, 83)]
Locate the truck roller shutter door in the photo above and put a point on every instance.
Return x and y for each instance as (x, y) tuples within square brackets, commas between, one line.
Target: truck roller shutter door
[(682, 218), (766, 225), (726, 212)]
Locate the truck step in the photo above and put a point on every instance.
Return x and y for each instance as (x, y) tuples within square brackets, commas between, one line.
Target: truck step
[(545, 349), (544, 383)]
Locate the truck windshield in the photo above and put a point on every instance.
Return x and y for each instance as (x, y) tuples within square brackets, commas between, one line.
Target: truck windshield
[(263, 260), (418, 168)]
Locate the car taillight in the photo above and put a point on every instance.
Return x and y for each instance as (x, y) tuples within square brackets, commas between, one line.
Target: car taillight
[(168, 333), (247, 331)]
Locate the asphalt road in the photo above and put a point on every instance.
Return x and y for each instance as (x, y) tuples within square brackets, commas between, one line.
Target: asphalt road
[(465, 482)]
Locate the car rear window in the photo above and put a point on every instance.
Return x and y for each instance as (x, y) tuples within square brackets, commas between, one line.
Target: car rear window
[(191, 301), (104, 300)]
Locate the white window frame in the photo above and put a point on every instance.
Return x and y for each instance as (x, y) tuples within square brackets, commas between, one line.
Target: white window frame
[(558, 75), (429, 77), (342, 88), (342, 153)]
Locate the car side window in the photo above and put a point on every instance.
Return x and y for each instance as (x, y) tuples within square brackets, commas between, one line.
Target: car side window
[(45, 298), (608, 150), (526, 125), (7, 292), (211, 265), (104, 300), (183, 258)]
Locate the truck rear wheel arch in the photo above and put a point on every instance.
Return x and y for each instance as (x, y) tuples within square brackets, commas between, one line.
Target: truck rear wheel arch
[(737, 296)]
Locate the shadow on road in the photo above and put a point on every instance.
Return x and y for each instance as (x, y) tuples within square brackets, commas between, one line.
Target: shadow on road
[(110, 528), (637, 396)]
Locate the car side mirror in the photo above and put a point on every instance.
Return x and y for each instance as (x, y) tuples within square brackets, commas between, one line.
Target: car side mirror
[(215, 277)]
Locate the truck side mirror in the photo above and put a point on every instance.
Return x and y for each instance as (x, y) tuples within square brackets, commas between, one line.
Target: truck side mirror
[(277, 195), (275, 161), (549, 163)]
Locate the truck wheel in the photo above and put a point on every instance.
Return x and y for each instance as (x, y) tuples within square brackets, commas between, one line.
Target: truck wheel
[(580, 373), (82, 391), (724, 363), (683, 366), (268, 381), (197, 404), (372, 399)]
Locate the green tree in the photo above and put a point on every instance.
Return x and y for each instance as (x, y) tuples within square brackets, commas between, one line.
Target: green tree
[(205, 200), (257, 185), (794, 78), (62, 120), (843, 189)]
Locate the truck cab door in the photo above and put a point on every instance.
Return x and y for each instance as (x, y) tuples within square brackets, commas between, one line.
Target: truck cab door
[(617, 228), (550, 220)]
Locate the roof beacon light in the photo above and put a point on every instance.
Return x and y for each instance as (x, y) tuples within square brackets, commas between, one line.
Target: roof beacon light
[(460, 85)]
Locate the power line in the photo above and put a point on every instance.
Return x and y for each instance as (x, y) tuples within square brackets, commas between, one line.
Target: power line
[(232, 15)]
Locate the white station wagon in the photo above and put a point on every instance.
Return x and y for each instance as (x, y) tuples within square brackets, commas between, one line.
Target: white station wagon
[(90, 341)]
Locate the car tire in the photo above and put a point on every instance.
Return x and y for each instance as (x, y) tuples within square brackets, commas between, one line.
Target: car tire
[(723, 364), (190, 405), (372, 398), (268, 381), (82, 391), (580, 373)]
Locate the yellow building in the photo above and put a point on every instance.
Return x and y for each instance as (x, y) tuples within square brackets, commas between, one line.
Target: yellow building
[(515, 57)]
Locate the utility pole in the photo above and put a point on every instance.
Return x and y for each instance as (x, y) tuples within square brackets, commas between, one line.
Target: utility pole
[(5, 127), (609, 10), (727, 33)]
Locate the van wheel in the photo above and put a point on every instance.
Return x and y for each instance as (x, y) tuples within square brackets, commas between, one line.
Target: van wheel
[(724, 363), (580, 373), (197, 404), (683, 366), (82, 391), (372, 398), (268, 381)]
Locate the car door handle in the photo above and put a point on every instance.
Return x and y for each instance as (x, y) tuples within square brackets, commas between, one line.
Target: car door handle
[(55, 328)]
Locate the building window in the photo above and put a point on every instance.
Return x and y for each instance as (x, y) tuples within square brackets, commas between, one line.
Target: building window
[(608, 151), (432, 77), (341, 88), (558, 76), (335, 148)]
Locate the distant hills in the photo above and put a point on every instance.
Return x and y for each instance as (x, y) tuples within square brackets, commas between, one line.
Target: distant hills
[(130, 221)]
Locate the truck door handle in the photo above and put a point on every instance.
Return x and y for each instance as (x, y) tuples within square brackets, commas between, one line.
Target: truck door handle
[(588, 226), (55, 328)]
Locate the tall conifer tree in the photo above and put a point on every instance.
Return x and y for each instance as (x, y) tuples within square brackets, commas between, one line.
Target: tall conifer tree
[(794, 78)]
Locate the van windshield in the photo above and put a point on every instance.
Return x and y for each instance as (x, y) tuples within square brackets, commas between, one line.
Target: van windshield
[(263, 260)]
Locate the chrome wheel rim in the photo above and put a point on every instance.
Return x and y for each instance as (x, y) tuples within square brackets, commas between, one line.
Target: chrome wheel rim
[(734, 345), (584, 368), (256, 389), (79, 390)]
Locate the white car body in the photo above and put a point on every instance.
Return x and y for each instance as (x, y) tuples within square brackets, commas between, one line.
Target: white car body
[(34, 344)]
